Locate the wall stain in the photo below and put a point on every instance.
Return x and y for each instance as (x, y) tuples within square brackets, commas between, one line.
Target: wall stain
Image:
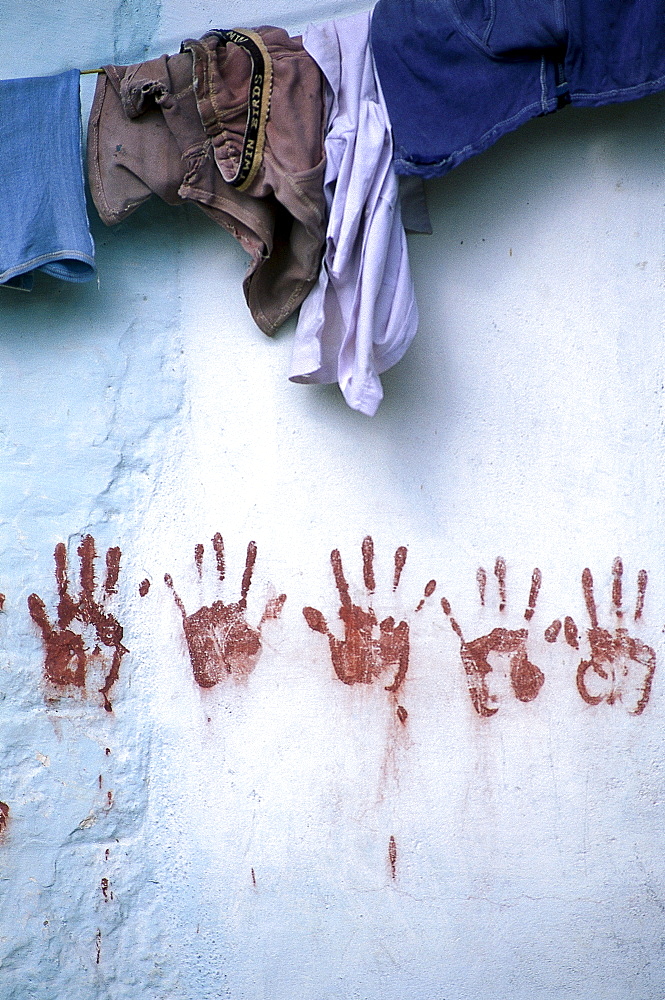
[(219, 639), (67, 658), (525, 677)]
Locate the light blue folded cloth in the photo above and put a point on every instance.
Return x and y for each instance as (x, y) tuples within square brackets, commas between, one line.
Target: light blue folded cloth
[(43, 218)]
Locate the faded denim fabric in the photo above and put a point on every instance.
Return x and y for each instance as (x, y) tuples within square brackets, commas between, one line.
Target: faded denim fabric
[(458, 74), (43, 219)]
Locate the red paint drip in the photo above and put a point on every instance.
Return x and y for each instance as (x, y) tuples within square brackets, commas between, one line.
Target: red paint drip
[(500, 574), (392, 857), (368, 563), (642, 580), (552, 631), (481, 580), (617, 573), (536, 581), (144, 587), (400, 561)]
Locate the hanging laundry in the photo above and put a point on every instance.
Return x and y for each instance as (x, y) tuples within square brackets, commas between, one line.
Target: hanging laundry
[(43, 220), (361, 317), (457, 76), (234, 123)]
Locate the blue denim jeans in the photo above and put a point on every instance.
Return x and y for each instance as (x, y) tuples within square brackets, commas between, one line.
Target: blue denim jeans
[(458, 74), (43, 219)]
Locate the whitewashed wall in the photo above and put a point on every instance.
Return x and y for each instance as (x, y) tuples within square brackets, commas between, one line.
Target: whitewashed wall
[(235, 842)]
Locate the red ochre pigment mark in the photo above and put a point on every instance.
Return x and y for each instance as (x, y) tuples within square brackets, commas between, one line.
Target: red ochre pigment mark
[(620, 667), (363, 655), (392, 857), (570, 633), (253, 878), (4, 817), (144, 587), (219, 639), (526, 678), (68, 660)]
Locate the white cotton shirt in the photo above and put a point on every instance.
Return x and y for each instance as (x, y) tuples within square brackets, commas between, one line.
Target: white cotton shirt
[(361, 316)]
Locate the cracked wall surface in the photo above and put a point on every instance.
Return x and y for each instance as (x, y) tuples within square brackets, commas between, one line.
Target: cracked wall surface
[(300, 704)]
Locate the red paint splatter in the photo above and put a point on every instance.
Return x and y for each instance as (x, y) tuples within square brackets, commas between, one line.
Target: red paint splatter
[(500, 574), (144, 587), (219, 639), (67, 658), (402, 714), (400, 561), (4, 817), (361, 655), (552, 631), (481, 580), (620, 667), (392, 857)]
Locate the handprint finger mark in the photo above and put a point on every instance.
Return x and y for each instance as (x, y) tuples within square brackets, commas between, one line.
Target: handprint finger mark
[(552, 631), (362, 655), (571, 633), (68, 661), (526, 679), (219, 639), (620, 667)]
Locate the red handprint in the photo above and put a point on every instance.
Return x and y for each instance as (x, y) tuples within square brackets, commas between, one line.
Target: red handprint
[(219, 639), (69, 661), (362, 655), (620, 667), (526, 678)]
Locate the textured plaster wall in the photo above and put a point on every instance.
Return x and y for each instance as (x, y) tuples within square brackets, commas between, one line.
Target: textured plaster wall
[(286, 835)]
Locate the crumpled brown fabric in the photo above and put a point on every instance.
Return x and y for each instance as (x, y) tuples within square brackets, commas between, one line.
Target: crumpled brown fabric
[(174, 127)]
